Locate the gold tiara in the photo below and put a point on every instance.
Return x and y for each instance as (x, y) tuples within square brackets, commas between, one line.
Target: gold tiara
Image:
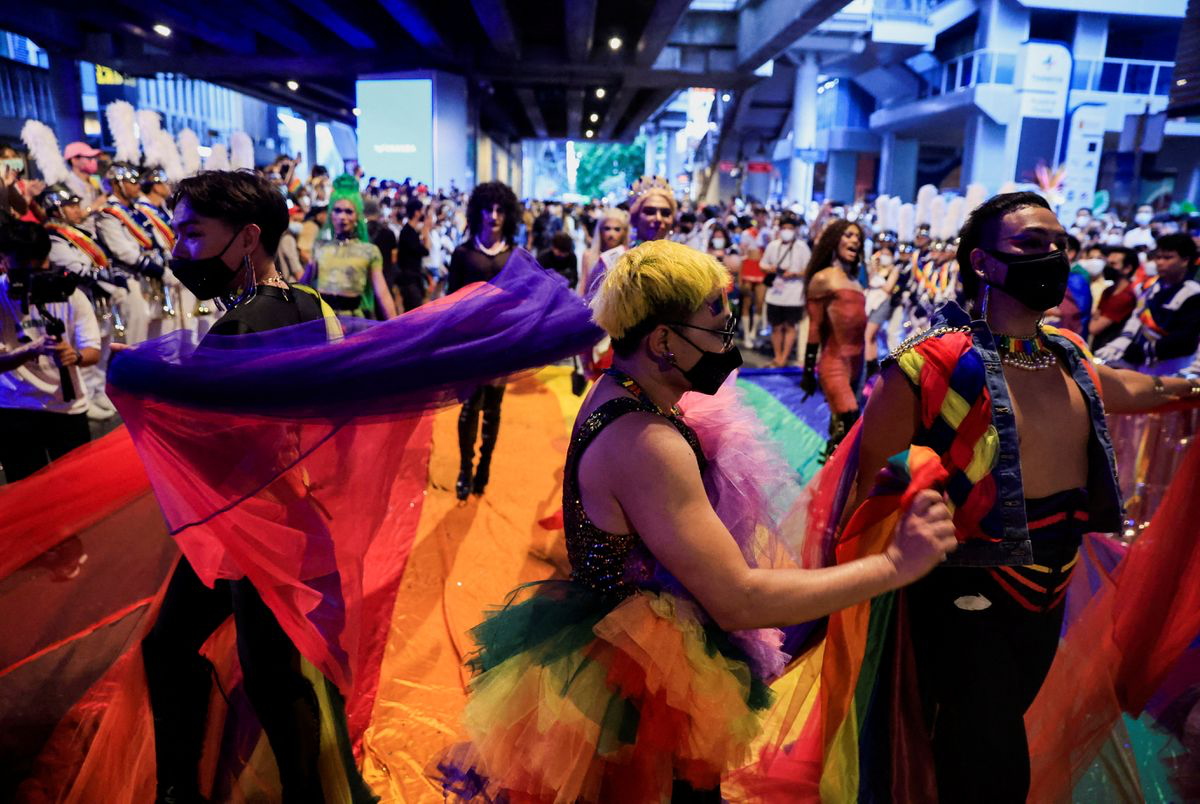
[(648, 184)]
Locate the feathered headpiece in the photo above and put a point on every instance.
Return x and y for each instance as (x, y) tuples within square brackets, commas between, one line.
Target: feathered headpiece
[(976, 195), (148, 126), (43, 148), (122, 122), (218, 158), (166, 155), (189, 152), (906, 224), (924, 210), (241, 151), (954, 216), (937, 218)]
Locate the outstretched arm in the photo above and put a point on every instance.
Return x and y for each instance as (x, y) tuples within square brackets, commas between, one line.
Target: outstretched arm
[(1126, 391), (663, 497)]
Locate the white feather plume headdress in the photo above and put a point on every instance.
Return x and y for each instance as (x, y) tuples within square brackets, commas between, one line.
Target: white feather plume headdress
[(43, 148), (122, 122), (218, 159), (241, 151), (189, 152)]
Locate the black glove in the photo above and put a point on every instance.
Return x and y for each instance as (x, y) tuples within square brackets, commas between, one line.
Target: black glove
[(150, 267), (808, 380)]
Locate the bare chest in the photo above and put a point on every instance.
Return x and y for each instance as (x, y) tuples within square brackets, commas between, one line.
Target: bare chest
[(1053, 428)]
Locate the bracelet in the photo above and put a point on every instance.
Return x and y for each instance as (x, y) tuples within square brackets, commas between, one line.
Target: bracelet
[(1160, 387)]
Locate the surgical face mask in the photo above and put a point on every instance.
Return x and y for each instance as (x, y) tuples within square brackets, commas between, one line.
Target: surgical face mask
[(718, 243), (885, 259), (1143, 218), (1150, 268), (207, 277), (787, 235), (1094, 266), (1037, 281), (16, 164)]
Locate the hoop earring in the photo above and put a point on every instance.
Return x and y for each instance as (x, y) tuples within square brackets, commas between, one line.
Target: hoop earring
[(984, 303)]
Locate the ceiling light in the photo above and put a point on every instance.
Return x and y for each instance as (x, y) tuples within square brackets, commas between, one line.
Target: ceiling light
[(614, 43), (1182, 82), (593, 117), (293, 86), (589, 133), (357, 111), (599, 92), (162, 30), (725, 98)]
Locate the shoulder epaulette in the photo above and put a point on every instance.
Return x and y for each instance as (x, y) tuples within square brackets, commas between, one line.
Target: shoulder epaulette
[(912, 341)]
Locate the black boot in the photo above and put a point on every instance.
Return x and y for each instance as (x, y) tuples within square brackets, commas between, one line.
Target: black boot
[(468, 427), (839, 425), (291, 718), (178, 687), (493, 395), (872, 368)]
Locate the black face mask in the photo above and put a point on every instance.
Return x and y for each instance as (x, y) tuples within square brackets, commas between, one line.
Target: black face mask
[(712, 369), (1113, 274), (1038, 281), (207, 277)]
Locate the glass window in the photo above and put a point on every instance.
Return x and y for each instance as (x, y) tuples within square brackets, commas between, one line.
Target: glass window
[(966, 78), (1138, 78), (1006, 68), (1110, 77), (1165, 74), (1079, 74), (985, 62)]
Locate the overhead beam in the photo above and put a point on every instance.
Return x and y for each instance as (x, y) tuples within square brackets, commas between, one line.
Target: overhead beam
[(574, 113), (662, 22), (236, 41), (581, 28), (616, 110), (532, 110), (498, 25), (345, 30), (643, 112), (417, 24), (275, 23), (51, 27), (768, 28)]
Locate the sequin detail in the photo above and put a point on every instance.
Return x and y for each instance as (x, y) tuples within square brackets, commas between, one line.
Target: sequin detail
[(615, 564)]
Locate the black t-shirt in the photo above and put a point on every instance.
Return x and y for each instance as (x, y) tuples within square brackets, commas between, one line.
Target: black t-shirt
[(385, 239), (566, 266), (468, 264), (271, 308), (410, 252)]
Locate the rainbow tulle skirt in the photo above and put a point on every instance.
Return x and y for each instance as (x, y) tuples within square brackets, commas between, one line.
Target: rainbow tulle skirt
[(578, 697)]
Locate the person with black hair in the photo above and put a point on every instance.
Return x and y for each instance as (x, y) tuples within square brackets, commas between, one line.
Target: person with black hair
[(560, 258), (783, 263), (1118, 300), (1163, 332), (837, 325), (43, 398), (412, 247), (1013, 410), (492, 212), (127, 236), (228, 225)]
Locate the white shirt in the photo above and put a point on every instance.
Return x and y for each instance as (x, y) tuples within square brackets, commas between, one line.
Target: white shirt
[(36, 384), (1139, 237), (784, 258)]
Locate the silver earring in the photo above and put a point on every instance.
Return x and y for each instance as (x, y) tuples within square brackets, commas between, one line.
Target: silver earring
[(984, 305)]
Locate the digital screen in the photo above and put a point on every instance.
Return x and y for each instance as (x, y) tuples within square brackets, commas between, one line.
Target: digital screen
[(395, 128)]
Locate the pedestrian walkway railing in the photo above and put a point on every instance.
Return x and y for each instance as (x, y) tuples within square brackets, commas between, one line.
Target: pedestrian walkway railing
[(1124, 76), (968, 70)]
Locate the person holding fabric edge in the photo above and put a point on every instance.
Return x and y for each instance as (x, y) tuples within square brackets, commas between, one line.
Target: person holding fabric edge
[(228, 225), (657, 580), (1014, 411)]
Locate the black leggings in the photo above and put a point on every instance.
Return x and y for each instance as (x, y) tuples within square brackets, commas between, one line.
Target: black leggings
[(179, 681), (984, 640)]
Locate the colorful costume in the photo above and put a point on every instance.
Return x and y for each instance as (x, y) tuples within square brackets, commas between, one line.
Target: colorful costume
[(837, 323), (615, 685), (344, 267)]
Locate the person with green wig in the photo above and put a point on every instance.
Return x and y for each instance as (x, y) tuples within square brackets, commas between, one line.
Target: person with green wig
[(348, 266)]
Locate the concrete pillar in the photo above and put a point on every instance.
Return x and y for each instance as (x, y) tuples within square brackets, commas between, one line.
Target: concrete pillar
[(1193, 188), (651, 139), (1091, 37), (841, 170), (674, 156), (804, 131), (898, 167), (986, 157), (311, 140), (68, 97)]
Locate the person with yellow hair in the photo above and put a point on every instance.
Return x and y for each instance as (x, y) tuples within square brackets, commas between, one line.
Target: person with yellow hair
[(637, 679)]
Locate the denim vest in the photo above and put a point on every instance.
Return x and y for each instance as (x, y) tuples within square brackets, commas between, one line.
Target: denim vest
[(1006, 521)]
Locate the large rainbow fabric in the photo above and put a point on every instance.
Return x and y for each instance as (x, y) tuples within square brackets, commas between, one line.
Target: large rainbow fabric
[(86, 579)]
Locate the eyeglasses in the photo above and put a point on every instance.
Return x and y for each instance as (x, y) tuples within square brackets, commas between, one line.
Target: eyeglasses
[(727, 332)]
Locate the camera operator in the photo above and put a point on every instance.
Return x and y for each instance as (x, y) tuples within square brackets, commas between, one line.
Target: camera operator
[(127, 237), (48, 331)]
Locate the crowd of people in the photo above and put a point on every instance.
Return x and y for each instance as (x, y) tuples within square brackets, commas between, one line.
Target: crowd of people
[(945, 294)]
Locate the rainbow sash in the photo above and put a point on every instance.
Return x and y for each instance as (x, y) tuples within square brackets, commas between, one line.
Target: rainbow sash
[(82, 242), (160, 226), (126, 218)]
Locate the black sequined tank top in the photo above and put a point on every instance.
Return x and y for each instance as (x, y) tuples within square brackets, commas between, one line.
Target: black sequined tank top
[(611, 564)]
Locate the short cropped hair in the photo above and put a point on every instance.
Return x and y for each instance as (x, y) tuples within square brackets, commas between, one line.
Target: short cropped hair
[(238, 198), (981, 228), (655, 283), (1180, 243)]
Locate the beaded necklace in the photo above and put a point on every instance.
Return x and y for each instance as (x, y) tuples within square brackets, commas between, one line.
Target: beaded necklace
[(1029, 353), (630, 385)]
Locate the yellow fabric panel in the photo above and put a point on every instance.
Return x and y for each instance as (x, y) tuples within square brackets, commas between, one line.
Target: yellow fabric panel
[(984, 457)]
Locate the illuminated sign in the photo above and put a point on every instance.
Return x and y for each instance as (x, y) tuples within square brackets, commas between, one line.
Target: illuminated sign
[(395, 128), (107, 76)]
